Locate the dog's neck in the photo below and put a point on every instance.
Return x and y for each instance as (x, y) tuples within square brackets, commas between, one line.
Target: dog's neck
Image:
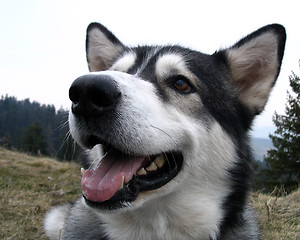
[(167, 218)]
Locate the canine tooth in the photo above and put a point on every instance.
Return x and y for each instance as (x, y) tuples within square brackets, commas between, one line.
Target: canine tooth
[(160, 161), (151, 167), (122, 183), (141, 172), (82, 170)]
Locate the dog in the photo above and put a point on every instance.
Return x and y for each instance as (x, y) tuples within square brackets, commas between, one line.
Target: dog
[(165, 136)]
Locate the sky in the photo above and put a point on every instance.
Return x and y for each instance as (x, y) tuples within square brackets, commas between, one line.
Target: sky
[(42, 46)]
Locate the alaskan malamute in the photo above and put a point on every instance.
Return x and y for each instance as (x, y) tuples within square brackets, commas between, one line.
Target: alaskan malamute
[(165, 133)]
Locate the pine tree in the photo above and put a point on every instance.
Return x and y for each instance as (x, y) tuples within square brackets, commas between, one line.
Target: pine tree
[(33, 140), (283, 162)]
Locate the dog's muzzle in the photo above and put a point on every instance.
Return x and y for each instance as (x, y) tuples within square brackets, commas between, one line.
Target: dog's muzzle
[(92, 94), (122, 173)]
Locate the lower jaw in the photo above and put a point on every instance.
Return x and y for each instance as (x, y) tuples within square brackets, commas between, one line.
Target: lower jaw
[(136, 185), (108, 205)]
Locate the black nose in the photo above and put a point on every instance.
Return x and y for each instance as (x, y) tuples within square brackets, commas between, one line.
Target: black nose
[(93, 94)]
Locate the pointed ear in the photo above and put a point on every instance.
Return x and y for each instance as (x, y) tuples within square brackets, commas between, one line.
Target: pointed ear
[(102, 47), (254, 64)]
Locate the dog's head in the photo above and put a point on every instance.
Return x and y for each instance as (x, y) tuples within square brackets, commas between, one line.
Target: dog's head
[(168, 118)]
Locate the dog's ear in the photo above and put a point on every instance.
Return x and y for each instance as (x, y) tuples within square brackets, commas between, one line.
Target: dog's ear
[(254, 63), (102, 47)]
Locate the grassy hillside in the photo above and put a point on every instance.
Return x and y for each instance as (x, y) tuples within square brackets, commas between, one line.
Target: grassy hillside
[(29, 186)]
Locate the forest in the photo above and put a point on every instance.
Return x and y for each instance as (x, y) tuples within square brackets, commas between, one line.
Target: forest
[(35, 129)]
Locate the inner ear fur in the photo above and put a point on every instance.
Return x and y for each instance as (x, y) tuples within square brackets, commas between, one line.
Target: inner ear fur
[(254, 63), (102, 47)]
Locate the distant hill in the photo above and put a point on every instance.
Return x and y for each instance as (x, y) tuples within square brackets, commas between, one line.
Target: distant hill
[(260, 147)]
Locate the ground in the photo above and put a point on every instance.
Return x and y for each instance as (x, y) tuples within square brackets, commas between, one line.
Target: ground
[(29, 186)]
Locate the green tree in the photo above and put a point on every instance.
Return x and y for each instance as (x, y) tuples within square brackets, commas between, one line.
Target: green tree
[(6, 140), (33, 140), (283, 162)]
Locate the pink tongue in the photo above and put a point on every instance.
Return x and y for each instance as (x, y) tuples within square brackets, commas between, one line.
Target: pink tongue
[(101, 183)]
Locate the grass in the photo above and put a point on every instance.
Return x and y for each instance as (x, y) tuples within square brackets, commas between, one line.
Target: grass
[(29, 186), (279, 215)]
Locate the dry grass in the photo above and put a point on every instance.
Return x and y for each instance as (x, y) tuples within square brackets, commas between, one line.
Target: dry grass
[(279, 215), (29, 186)]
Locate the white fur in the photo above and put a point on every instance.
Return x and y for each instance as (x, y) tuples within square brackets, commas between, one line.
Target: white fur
[(125, 62), (167, 63), (170, 213), (146, 119), (54, 221), (171, 64), (141, 111)]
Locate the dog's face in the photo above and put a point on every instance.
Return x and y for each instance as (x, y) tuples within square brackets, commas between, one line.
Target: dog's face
[(167, 118)]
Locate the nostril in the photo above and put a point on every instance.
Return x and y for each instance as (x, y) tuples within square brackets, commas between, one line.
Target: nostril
[(74, 94), (100, 98)]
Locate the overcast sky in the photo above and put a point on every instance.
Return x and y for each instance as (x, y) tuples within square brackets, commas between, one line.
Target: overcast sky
[(42, 46)]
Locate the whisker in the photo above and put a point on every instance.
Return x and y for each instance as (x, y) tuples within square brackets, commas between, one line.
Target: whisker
[(166, 157), (177, 147), (163, 131)]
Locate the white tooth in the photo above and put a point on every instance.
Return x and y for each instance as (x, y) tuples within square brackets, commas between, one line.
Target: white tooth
[(151, 167), (122, 183), (141, 172), (160, 161), (82, 170)]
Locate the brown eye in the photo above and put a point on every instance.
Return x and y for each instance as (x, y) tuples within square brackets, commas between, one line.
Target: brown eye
[(182, 86)]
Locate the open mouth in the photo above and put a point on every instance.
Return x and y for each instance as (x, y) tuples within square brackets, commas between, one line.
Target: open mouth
[(119, 177)]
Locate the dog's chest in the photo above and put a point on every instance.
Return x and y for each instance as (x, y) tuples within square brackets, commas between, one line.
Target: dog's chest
[(161, 224), (138, 226)]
